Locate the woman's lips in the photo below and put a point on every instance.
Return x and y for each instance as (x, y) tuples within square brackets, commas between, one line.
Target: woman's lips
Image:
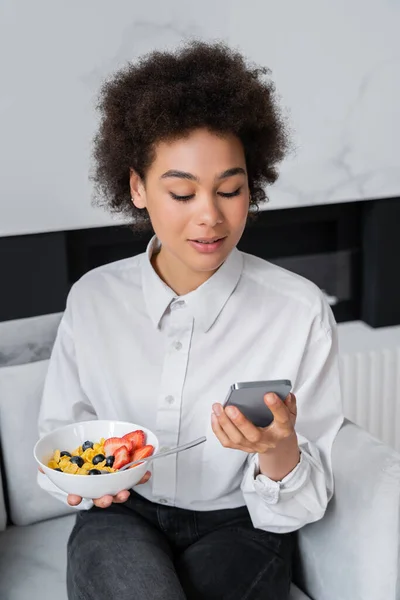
[(206, 248)]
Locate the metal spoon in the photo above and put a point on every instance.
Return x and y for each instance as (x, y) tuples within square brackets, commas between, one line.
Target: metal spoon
[(196, 442)]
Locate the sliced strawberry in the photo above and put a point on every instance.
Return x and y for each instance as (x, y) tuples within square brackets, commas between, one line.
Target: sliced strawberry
[(121, 457), (136, 438), (143, 452), (128, 444), (112, 444)]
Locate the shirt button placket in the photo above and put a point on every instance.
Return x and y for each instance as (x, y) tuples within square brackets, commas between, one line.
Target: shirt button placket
[(179, 331)]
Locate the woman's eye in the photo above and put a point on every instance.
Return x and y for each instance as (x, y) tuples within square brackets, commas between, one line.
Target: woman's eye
[(182, 198), (230, 194), (190, 196)]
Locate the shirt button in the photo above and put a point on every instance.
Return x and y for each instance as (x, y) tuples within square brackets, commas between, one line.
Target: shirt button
[(170, 399), (163, 501), (177, 345)]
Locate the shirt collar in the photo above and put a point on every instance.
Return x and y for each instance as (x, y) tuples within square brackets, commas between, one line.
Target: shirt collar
[(205, 303)]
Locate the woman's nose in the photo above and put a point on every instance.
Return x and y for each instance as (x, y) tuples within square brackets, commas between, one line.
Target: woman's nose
[(209, 212)]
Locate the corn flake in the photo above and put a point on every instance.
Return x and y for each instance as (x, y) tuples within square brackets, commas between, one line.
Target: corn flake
[(71, 468), (88, 455), (81, 471)]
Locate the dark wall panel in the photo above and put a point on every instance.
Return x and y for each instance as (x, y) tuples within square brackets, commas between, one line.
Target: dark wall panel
[(349, 250), (381, 263), (33, 275)]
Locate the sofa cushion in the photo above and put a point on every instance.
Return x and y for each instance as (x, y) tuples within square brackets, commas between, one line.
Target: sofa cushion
[(21, 388), (33, 560), (38, 552)]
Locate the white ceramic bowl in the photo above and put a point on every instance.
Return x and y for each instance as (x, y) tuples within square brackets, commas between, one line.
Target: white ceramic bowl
[(70, 437)]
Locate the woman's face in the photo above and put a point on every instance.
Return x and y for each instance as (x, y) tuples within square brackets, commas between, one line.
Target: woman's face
[(196, 193)]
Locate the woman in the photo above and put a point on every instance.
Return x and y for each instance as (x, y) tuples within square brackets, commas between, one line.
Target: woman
[(187, 143)]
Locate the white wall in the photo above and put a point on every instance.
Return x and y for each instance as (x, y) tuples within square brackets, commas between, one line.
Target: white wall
[(336, 65)]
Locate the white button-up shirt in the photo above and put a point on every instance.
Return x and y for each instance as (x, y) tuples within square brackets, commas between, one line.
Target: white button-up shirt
[(129, 349)]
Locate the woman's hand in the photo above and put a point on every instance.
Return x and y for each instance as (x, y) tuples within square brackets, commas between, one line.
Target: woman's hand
[(106, 501), (276, 444)]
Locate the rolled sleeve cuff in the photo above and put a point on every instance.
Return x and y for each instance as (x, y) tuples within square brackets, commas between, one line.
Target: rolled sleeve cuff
[(274, 491), (47, 485)]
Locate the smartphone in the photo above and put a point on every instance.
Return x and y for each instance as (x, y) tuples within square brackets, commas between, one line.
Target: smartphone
[(248, 397)]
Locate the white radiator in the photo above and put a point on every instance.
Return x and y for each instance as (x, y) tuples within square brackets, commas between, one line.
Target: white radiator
[(370, 377)]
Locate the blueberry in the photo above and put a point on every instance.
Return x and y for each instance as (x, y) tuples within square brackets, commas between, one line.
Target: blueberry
[(98, 459), (77, 460), (110, 461), (87, 445), (58, 470), (94, 472), (65, 453)]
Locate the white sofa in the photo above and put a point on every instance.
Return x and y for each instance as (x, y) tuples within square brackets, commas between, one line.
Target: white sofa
[(351, 554)]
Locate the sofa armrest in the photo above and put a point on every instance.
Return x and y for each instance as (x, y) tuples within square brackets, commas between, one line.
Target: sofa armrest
[(3, 512), (353, 552)]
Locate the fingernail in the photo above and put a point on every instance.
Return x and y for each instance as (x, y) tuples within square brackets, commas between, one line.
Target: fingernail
[(232, 412), (271, 399), (217, 409), (213, 418)]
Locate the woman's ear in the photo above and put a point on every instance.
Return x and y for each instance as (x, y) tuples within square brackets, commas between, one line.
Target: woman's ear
[(138, 193)]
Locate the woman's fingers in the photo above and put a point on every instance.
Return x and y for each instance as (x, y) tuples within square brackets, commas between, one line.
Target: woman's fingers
[(219, 432), (249, 431), (228, 427), (121, 497), (279, 409), (103, 502), (145, 478), (74, 500), (234, 430), (106, 501), (291, 403)]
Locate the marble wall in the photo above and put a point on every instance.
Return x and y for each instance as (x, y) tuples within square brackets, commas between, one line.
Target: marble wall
[(27, 340), (336, 66)]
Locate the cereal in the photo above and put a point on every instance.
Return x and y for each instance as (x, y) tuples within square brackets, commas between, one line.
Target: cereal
[(104, 456), (66, 462)]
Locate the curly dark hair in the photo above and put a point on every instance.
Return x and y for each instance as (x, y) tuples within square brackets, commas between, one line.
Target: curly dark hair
[(165, 95)]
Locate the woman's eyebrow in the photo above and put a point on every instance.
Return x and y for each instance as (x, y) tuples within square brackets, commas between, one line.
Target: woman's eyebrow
[(231, 173), (191, 177), (179, 174)]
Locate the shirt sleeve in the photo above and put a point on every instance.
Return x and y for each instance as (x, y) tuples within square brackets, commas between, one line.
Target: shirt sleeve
[(63, 400), (303, 495)]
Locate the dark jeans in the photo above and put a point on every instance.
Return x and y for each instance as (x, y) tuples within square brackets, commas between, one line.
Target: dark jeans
[(141, 550)]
